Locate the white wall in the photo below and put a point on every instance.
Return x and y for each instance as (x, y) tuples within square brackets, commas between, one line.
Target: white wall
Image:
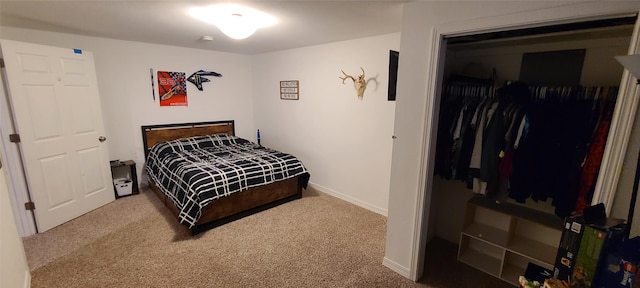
[(410, 182), (124, 81), (600, 68), (343, 141), (14, 270)]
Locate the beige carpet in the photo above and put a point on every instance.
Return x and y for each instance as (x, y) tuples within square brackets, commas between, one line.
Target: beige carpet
[(316, 241)]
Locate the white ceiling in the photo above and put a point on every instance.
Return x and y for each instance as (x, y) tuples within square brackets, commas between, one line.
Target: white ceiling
[(301, 23)]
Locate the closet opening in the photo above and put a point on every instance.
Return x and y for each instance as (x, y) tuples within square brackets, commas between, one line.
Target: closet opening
[(524, 118)]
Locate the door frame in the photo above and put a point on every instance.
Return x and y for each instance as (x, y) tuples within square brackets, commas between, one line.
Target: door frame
[(17, 182), (621, 125)]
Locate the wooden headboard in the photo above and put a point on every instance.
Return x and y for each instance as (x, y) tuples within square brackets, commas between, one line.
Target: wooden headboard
[(153, 134)]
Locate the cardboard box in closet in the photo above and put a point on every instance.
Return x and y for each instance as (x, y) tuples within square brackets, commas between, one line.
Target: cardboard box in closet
[(583, 248)]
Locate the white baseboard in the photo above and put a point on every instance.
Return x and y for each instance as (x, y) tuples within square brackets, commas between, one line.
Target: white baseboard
[(349, 199), (404, 271), (27, 279)]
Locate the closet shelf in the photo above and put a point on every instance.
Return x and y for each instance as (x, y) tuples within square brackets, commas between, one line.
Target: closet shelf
[(511, 273), (487, 233), (501, 240), (546, 219), (482, 261), (530, 248)]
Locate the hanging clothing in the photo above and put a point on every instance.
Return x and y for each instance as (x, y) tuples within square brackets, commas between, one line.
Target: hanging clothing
[(449, 109), (479, 121), (514, 131), (479, 185), (546, 162), (591, 165), (465, 142), (493, 145), (530, 148)]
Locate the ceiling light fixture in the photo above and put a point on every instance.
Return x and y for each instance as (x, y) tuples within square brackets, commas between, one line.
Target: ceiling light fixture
[(235, 21), (237, 26)]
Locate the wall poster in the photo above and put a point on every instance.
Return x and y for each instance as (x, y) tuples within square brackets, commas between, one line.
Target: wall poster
[(172, 88)]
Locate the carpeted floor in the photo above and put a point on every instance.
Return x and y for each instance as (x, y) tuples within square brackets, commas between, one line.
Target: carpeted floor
[(316, 241), (442, 269)]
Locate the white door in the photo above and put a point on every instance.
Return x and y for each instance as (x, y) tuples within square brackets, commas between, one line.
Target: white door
[(14, 270), (55, 102)]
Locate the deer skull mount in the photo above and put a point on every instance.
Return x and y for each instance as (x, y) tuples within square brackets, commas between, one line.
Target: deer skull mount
[(359, 83)]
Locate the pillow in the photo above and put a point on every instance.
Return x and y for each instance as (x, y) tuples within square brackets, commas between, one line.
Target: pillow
[(196, 142)]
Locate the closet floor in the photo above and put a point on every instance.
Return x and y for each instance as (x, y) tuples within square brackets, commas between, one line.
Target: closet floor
[(443, 270)]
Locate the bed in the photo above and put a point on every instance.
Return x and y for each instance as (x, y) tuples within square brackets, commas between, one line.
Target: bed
[(218, 183)]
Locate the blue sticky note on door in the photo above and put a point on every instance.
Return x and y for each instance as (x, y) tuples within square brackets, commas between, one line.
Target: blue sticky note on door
[(77, 51)]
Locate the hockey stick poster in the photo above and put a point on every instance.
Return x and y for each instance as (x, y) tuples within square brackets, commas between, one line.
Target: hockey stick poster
[(172, 88)]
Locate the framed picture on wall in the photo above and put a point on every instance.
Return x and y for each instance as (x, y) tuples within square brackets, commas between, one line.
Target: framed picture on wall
[(172, 88), (393, 74), (289, 90)]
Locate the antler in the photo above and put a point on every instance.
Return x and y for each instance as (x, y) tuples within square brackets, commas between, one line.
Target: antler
[(346, 77), (360, 83)]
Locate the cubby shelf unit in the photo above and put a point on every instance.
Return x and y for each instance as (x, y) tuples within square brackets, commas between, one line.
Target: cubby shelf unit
[(502, 238)]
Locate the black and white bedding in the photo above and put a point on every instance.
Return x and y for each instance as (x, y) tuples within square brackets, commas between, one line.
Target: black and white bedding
[(194, 171)]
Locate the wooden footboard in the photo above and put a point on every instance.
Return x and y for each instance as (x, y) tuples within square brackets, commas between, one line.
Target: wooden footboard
[(239, 205)]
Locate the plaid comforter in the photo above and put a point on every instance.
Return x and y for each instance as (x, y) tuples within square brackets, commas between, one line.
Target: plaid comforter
[(195, 171)]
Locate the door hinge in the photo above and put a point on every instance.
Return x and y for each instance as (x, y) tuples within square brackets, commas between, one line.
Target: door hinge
[(29, 206), (14, 138), (1, 62)]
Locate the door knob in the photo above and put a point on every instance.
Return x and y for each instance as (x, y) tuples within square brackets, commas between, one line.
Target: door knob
[(102, 138)]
